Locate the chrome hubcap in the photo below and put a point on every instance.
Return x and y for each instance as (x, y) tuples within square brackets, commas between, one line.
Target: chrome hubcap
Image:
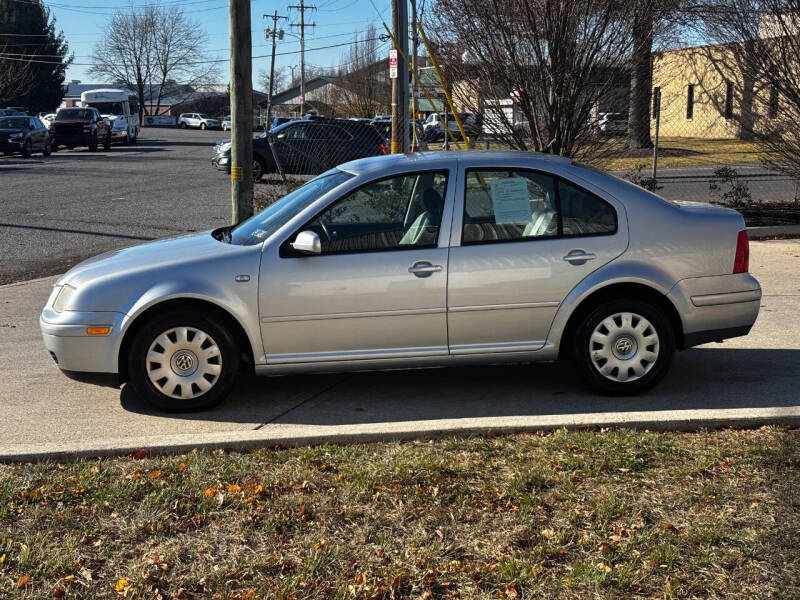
[(184, 363), (624, 347)]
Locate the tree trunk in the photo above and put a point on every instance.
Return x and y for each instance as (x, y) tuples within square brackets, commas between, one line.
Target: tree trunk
[(641, 81)]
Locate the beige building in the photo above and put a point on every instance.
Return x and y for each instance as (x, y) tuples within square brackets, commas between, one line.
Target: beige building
[(703, 93)]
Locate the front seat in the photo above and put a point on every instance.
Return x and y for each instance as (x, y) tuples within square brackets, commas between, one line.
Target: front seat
[(425, 227)]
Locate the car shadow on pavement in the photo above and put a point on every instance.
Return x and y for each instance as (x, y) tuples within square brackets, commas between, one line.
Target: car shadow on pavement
[(701, 378)]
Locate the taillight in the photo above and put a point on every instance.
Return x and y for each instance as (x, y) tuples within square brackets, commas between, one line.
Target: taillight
[(741, 263), (383, 148)]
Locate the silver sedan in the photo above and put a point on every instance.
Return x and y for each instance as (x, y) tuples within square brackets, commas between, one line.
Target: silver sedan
[(410, 261)]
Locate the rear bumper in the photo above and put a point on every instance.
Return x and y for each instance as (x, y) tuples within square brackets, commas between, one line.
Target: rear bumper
[(716, 308)]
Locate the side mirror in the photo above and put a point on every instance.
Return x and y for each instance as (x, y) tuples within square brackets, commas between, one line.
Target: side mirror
[(307, 242)]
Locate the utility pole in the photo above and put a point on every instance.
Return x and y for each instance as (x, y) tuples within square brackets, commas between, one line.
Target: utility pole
[(414, 44), (400, 83), (275, 35), (241, 110), (302, 25)]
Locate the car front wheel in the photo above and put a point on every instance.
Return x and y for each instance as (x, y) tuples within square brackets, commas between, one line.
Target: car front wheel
[(183, 361), (203, 126), (258, 168), (624, 347)]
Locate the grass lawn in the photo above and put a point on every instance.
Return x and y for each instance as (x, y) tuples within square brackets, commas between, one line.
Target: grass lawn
[(683, 152), (585, 514), (673, 152)]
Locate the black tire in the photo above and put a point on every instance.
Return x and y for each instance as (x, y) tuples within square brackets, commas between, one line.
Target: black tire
[(107, 142), (203, 126), (183, 125), (589, 359), (27, 149), (258, 168), (47, 150), (93, 144), (138, 365)]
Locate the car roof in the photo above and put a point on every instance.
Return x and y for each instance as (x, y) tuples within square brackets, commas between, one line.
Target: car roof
[(467, 158)]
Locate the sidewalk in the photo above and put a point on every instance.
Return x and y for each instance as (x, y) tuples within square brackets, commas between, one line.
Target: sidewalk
[(744, 382)]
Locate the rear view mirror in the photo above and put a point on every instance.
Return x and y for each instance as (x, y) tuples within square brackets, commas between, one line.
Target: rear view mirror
[(307, 242)]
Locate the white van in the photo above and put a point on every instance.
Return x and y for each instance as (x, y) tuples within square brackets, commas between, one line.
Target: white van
[(120, 107)]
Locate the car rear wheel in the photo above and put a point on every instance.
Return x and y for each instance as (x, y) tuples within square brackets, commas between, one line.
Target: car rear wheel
[(258, 168), (107, 142), (47, 150), (183, 361), (624, 347)]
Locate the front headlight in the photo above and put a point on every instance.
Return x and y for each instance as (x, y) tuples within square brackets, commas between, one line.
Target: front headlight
[(63, 298), (15, 136), (225, 147)]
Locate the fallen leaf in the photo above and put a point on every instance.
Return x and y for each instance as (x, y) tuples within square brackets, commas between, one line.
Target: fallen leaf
[(140, 454), (58, 593), (547, 533), (210, 492), (511, 590), (154, 474), (670, 527), (181, 466), (23, 581), (121, 584), (233, 488)]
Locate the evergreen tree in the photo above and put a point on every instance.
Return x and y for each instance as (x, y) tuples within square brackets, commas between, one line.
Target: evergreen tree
[(34, 42)]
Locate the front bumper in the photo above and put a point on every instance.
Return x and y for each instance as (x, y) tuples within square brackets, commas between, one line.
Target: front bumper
[(80, 355), (9, 147), (119, 134), (221, 163), (71, 140)]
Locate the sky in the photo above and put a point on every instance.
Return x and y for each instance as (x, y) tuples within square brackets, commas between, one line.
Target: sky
[(337, 21)]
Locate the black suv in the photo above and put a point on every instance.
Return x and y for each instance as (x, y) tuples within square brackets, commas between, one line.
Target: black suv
[(308, 147)]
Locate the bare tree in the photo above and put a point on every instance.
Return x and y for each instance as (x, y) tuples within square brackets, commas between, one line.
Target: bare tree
[(279, 79), (552, 61), (178, 44), (16, 77), (363, 86), (757, 53), (147, 50)]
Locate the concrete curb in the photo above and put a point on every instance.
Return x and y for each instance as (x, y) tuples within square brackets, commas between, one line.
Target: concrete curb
[(275, 435), (758, 233)]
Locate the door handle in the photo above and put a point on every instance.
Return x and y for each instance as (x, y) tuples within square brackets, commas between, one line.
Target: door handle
[(578, 257), (424, 269)]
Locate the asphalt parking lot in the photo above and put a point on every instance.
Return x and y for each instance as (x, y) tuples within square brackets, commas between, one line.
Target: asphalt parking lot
[(745, 381), (57, 210)]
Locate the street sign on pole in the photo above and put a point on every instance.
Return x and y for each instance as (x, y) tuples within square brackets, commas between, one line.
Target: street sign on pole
[(393, 63)]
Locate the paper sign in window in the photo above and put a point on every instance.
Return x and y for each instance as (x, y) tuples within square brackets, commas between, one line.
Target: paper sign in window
[(510, 200)]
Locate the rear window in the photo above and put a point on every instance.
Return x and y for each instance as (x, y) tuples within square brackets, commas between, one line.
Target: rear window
[(83, 114)]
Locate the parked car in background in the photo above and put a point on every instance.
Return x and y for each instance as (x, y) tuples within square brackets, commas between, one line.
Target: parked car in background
[(279, 121), (414, 261), (435, 131), (611, 123), (197, 121), (80, 127), (25, 135), (226, 123), (307, 146), (12, 112), (46, 118), (120, 108), (384, 127)]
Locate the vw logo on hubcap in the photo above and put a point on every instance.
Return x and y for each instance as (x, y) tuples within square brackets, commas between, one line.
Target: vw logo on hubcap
[(624, 347), (184, 362)]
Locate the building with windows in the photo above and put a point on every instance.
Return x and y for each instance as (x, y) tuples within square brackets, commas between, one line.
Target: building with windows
[(705, 92)]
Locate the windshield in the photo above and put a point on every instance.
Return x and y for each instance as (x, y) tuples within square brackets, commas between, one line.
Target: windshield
[(109, 108), (259, 227), (13, 123), (204, 116), (75, 113)]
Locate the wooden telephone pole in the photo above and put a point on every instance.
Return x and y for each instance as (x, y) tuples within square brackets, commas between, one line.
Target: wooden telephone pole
[(241, 110), (400, 83), (302, 7), (275, 35)]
